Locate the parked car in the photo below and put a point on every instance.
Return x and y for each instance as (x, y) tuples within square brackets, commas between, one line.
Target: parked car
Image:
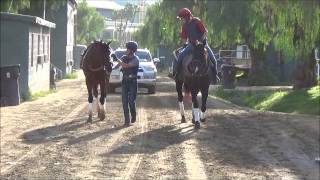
[(147, 73)]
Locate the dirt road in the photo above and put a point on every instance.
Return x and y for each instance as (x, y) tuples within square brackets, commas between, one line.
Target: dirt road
[(50, 139)]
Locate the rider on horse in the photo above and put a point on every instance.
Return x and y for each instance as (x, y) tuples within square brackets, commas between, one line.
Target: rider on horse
[(194, 31), (130, 66)]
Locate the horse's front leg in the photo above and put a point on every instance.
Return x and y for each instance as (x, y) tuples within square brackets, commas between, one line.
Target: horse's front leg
[(180, 100), (106, 87), (96, 94), (196, 110), (204, 98), (90, 99)]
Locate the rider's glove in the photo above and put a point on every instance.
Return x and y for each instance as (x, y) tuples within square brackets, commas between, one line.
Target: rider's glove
[(185, 45)]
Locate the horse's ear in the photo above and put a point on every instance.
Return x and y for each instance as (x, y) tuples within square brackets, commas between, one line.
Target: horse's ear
[(108, 43)]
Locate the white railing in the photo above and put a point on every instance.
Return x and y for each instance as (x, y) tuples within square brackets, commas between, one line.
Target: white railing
[(238, 58), (234, 54)]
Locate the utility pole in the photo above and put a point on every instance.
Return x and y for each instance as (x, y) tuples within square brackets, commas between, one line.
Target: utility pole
[(44, 9)]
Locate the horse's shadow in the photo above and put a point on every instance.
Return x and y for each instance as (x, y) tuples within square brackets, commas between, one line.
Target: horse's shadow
[(52, 133), (60, 132), (155, 140), (94, 135)]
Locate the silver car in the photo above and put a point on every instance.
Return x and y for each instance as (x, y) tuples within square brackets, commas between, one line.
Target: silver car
[(147, 73)]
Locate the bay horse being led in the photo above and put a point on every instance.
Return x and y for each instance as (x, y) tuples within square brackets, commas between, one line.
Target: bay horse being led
[(96, 66), (196, 75)]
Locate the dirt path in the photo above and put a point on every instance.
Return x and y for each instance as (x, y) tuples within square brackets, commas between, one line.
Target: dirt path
[(49, 139)]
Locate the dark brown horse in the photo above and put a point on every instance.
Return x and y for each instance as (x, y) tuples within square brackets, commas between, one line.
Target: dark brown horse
[(196, 77), (96, 66)]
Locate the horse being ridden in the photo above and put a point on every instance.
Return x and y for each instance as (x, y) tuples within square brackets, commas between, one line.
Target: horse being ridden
[(96, 66), (197, 76)]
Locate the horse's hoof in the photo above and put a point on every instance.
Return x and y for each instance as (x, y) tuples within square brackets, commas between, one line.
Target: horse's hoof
[(203, 120), (183, 119), (197, 125), (102, 116), (89, 120)]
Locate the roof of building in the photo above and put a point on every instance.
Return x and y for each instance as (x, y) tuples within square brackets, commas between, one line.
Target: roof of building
[(104, 4), (26, 18)]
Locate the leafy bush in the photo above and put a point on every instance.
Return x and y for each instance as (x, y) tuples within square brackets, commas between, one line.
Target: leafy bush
[(299, 101), (72, 75)]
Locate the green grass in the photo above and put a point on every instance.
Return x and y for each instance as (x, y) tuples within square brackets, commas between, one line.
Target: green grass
[(299, 101), (40, 94), (33, 96), (72, 75)]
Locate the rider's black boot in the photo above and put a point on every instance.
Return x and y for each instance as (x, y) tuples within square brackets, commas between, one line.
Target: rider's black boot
[(177, 70), (214, 75)]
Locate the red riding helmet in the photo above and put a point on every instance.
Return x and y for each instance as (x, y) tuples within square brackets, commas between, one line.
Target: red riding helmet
[(184, 13)]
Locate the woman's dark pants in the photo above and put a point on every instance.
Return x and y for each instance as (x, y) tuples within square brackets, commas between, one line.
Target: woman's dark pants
[(129, 95)]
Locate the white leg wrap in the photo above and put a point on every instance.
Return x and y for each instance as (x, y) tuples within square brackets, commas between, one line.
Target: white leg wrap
[(105, 104), (181, 106), (202, 115), (192, 109), (90, 108), (98, 104), (196, 114)]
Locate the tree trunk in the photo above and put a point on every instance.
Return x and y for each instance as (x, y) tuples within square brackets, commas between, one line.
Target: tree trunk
[(281, 66), (304, 74), (257, 57)]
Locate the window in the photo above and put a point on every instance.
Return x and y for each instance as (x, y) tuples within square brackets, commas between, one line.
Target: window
[(144, 56), (44, 45), (32, 49), (39, 44), (48, 47)]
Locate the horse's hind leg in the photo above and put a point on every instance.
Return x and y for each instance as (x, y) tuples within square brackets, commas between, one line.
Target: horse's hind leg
[(204, 98), (95, 94), (180, 100), (90, 99)]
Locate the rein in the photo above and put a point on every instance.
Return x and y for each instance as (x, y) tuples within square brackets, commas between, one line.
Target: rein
[(97, 69)]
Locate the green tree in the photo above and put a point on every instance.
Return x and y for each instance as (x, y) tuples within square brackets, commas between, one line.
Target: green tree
[(90, 24), (291, 25), (161, 26), (297, 24), (13, 6), (125, 16), (32, 7), (51, 8)]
